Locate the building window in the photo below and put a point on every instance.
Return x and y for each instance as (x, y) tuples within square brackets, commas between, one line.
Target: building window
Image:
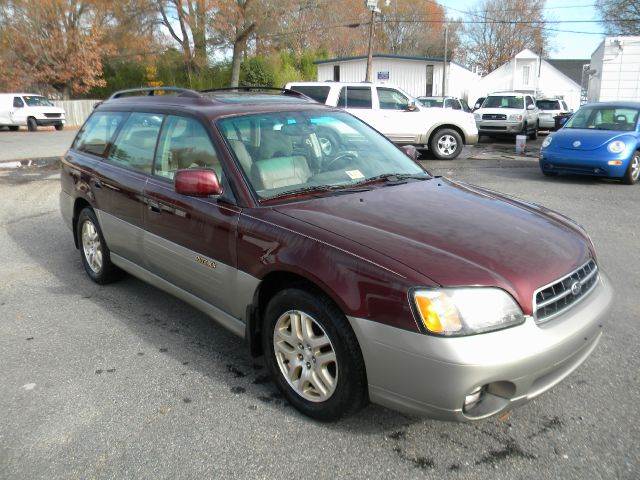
[(336, 73), (525, 74)]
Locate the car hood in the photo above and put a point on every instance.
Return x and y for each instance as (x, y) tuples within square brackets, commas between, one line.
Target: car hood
[(497, 111), (454, 234), (588, 139)]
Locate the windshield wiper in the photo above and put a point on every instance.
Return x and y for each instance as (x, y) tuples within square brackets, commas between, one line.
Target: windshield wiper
[(318, 189), (393, 178)]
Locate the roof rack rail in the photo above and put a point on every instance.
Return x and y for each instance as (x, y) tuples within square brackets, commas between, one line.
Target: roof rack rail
[(150, 91), (283, 91)]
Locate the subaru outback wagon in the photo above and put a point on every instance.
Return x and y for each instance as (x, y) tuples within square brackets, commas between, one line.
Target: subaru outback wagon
[(358, 275)]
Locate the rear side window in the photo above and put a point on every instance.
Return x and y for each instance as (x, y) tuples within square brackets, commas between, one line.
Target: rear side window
[(17, 102), (98, 132), (529, 100), (355, 97), (318, 92), (184, 144), (136, 142)]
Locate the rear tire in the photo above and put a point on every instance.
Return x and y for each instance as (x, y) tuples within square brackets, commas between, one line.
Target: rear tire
[(59, 127), (632, 174), (32, 125), (325, 391), (14, 128), (94, 252), (446, 144)]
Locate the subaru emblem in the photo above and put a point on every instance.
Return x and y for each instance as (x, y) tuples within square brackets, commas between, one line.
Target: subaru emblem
[(576, 288), (577, 143)]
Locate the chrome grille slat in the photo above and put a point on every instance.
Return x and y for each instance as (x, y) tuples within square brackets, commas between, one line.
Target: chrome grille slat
[(557, 297)]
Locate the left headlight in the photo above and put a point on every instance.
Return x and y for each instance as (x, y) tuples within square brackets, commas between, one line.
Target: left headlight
[(477, 116), (617, 146), (547, 141), (466, 311)]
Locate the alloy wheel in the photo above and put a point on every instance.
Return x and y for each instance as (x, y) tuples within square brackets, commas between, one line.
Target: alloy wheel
[(635, 168), (91, 246), (447, 145), (305, 356)]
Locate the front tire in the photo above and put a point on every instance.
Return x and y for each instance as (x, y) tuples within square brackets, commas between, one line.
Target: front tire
[(534, 134), (446, 144), (14, 128), (32, 125), (59, 126), (313, 355), (94, 252), (632, 174)]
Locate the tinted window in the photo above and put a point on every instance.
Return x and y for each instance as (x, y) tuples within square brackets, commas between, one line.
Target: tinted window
[(605, 118), (136, 142), (97, 132), (392, 99), (355, 97), (184, 144), (465, 105), (431, 102), (529, 100), (548, 104), (17, 102), (318, 92)]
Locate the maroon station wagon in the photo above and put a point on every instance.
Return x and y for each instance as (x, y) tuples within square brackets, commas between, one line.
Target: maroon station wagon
[(357, 274)]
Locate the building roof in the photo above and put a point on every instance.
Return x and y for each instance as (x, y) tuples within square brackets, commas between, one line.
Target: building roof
[(381, 55), (572, 68)]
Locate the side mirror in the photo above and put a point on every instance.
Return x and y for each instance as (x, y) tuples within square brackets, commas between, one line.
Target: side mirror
[(411, 107), (197, 183), (411, 152), (531, 107)]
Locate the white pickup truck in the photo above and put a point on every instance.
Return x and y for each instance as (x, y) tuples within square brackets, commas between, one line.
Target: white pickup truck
[(397, 115)]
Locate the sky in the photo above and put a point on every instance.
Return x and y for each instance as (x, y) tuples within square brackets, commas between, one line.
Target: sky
[(564, 45)]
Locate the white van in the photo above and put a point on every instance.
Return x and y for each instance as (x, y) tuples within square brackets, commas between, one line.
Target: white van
[(30, 110)]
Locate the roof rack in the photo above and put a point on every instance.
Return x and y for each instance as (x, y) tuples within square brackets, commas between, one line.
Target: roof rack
[(150, 91), (283, 91)]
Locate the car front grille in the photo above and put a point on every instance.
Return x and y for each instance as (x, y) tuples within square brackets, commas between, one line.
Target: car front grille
[(494, 116), (557, 297), (52, 115)]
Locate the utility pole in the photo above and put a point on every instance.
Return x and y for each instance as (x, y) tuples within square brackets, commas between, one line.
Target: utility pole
[(444, 60), (370, 49)]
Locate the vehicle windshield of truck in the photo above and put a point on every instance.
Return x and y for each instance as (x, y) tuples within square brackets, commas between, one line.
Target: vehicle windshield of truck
[(604, 118), (504, 101), (548, 105), (37, 101), (290, 153)]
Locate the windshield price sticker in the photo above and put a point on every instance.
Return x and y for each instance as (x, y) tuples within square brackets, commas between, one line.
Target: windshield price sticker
[(354, 174)]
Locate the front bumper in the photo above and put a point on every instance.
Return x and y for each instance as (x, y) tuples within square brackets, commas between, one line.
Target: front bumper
[(429, 375), (583, 163), (499, 127), (44, 122)]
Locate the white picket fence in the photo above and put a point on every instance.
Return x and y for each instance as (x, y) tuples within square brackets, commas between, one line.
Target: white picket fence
[(76, 111)]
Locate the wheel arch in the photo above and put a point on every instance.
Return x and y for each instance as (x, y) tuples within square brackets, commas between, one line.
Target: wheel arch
[(272, 283), (442, 126), (78, 205)]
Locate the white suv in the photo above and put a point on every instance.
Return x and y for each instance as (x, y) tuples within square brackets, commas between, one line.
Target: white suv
[(397, 115), (549, 109), (508, 113)]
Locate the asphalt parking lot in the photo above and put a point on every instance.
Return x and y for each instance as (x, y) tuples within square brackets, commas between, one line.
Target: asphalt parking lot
[(124, 381)]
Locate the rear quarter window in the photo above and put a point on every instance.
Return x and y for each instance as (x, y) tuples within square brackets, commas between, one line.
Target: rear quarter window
[(97, 133), (317, 92), (355, 97)]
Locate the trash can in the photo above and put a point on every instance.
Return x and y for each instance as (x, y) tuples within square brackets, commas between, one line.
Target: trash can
[(561, 119)]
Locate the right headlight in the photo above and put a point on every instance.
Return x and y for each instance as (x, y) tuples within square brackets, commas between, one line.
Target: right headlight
[(516, 117), (466, 311)]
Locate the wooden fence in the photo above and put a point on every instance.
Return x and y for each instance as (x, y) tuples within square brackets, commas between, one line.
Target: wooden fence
[(76, 111)]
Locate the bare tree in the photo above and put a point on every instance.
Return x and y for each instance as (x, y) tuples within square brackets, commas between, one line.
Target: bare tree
[(504, 28), (620, 17)]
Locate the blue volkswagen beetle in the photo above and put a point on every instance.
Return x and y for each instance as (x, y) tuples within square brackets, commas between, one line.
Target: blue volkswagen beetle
[(600, 139)]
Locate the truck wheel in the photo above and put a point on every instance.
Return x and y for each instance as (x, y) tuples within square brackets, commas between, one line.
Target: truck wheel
[(32, 125), (633, 170), (59, 126), (534, 134), (313, 355), (446, 144), (14, 128)]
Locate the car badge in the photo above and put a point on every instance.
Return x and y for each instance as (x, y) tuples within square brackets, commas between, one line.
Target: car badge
[(576, 288), (577, 143)]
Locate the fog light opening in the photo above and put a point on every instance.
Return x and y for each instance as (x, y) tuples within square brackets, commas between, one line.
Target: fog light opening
[(473, 398), (616, 163)]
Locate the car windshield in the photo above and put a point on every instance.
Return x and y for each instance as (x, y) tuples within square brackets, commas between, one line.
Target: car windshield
[(618, 119), (37, 101), (290, 153), (548, 105), (504, 101), (431, 102)]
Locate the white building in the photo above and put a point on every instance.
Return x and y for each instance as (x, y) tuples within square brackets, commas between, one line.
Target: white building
[(528, 73), (419, 76), (615, 70)]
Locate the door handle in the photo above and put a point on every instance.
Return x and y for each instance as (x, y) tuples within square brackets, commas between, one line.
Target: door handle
[(97, 183), (153, 206)]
